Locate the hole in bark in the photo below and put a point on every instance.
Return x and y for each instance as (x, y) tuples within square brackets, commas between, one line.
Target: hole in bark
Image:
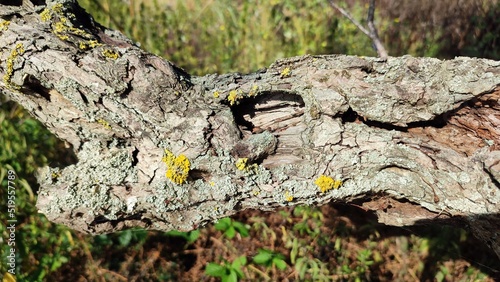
[(497, 184), (84, 98), (38, 2), (352, 116), (196, 174), (99, 219), (134, 157), (367, 69), (11, 2), (271, 111), (33, 85), (349, 116)]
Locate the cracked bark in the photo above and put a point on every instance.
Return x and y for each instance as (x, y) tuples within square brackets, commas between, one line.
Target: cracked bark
[(415, 140)]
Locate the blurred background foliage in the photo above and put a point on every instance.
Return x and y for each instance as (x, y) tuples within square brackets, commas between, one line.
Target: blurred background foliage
[(302, 243)]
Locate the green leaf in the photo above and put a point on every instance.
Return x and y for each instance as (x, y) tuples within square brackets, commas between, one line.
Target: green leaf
[(301, 266), (232, 277), (125, 237), (237, 264), (294, 251), (215, 270), (242, 229), (190, 236), (176, 233), (193, 236), (230, 232), (57, 262), (239, 261), (280, 264), (263, 257), (223, 224)]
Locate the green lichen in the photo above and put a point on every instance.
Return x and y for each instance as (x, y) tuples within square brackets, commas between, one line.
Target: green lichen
[(7, 78)]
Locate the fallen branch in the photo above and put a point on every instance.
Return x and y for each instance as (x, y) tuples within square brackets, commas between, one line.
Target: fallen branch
[(416, 140)]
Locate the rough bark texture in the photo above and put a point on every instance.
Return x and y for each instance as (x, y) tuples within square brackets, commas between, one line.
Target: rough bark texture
[(416, 140)]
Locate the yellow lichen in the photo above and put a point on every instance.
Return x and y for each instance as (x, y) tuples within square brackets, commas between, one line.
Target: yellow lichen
[(55, 175), (4, 25), (241, 163), (234, 96), (110, 54), (326, 183), (244, 165), (104, 123), (45, 15), (57, 8), (177, 167), (216, 94), (253, 92), (62, 27), (18, 50), (288, 196), (285, 72), (85, 45)]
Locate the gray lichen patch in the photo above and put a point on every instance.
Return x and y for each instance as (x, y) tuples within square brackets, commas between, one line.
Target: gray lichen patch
[(326, 132), (257, 146)]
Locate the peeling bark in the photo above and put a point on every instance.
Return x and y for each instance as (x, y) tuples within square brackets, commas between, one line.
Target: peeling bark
[(415, 140)]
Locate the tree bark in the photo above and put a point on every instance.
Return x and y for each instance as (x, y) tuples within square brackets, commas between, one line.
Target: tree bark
[(416, 140)]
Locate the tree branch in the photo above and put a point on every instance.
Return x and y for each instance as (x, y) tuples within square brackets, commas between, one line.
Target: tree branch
[(160, 149), (372, 32)]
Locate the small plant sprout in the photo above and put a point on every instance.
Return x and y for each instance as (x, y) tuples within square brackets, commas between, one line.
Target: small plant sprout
[(285, 72), (228, 272), (326, 183), (229, 227), (177, 167), (269, 258)]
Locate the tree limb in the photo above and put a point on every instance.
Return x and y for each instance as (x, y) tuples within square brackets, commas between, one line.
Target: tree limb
[(412, 139), (372, 32)]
